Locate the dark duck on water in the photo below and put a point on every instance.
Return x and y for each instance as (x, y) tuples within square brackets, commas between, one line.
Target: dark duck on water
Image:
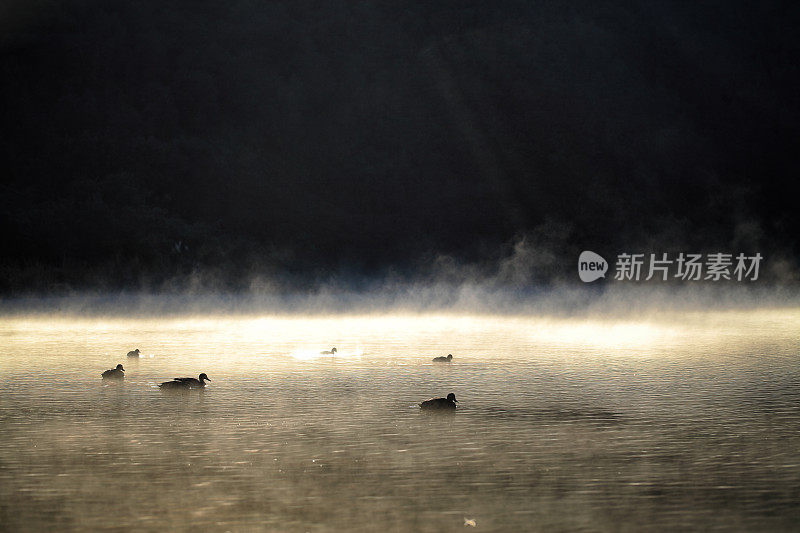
[(436, 404), (443, 359), (186, 383), (114, 373)]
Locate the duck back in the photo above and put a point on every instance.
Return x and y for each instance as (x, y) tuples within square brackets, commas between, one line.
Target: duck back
[(436, 404)]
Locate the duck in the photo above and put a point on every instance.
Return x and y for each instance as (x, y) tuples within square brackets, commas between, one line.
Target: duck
[(433, 404), (443, 359), (332, 351), (186, 383), (114, 373), (134, 353)]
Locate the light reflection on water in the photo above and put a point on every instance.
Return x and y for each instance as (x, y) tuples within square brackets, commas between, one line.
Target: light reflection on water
[(681, 423)]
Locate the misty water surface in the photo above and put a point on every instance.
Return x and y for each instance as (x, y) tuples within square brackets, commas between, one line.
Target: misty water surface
[(687, 422)]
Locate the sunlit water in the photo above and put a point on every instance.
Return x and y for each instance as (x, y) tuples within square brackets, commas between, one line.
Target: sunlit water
[(675, 423)]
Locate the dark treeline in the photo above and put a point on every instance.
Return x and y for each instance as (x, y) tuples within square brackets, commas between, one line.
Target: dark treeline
[(148, 143)]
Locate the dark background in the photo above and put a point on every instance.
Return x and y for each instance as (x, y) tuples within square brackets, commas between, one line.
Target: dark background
[(154, 145)]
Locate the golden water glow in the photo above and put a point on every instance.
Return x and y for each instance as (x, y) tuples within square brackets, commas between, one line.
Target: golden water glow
[(555, 414), (305, 337)]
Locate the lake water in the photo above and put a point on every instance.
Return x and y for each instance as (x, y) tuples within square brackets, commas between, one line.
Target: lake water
[(687, 422)]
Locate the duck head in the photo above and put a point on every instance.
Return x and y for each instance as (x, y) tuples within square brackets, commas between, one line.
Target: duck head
[(119, 367), (449, 357), (452, 397), (334, 350), (203, 377)]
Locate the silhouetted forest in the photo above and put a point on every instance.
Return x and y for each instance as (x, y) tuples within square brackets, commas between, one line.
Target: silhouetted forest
[(149, 143)]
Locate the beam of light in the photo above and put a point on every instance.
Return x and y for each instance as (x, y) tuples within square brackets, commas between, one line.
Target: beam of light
[(275, 341)]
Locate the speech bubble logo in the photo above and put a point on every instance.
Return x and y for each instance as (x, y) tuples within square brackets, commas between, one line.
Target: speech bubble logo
[(591, 266)]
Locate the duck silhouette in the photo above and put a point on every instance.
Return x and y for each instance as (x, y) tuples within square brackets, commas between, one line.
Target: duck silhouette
[(114, 373), (186, 383), (443, 359), (435, 404), (332, 351), (134, 353)]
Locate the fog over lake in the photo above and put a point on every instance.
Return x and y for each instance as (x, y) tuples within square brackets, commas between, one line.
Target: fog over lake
[(587, 204), (670, 421)]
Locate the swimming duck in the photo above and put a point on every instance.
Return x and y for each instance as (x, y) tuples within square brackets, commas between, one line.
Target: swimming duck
[(443, 359), (440, 403), (186, 383), (134, 353), (114, 373), (332, 351)]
